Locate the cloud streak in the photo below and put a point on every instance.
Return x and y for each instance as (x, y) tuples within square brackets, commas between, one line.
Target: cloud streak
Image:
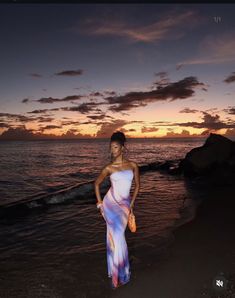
[(213, 49), (169, 26), (53, 99), (70, 73), (230, 78)]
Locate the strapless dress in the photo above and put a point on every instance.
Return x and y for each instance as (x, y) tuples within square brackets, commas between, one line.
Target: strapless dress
[(116, 208)]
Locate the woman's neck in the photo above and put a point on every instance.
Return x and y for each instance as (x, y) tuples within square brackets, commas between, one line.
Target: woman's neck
[(119, 161)]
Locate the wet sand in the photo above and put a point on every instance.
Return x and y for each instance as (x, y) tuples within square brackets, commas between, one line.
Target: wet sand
[(202, 248)]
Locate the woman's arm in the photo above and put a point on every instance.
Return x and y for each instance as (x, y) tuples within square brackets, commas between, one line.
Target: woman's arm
[(97, 182), (137, 184)]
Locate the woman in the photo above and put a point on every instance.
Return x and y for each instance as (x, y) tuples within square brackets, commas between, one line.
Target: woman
[(116, 206)]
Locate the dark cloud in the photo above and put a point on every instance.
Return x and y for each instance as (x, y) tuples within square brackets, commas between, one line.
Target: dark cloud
[(208, 118), (77, 72), (83, 108), (52, 100), (230, 78), (126, 106), (25, 100), (43, 111), (160, 83), (149, 129), (164, 123), (188, 110), (211, 110), (95, 94), (173, 91), (107, 128), (12, 118), (111, 93), (211, 122), (178, 66), (183, 133), (3, 125), (15, 117), (131, 130), (230, 110), (73, 133), (99, 117), (161, 74), (165, 91), (63, 123), (50, 127), (19, 133), (35, 75), (44, 119), (71, 122)]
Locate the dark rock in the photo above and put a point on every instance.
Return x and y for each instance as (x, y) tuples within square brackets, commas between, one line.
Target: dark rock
[(215, 159), (165, 166), (175, 171), (154, 165)]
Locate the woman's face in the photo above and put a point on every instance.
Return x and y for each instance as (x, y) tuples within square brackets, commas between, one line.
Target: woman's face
[(115, 148)]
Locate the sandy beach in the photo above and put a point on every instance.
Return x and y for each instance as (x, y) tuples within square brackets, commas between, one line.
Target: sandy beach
[(202, 248)]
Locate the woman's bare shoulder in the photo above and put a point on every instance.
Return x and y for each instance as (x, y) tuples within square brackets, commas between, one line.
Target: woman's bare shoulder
[(108, 167), (134, 164)]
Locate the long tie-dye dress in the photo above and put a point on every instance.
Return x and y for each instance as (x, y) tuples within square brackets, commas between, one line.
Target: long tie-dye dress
[(116, 208)]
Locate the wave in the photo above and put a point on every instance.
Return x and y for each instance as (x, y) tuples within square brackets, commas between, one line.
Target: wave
[(82, 192)]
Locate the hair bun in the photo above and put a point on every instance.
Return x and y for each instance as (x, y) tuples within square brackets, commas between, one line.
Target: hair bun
[(118, 136)]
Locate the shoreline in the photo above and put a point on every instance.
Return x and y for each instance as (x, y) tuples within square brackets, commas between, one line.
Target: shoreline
[(202, 249)]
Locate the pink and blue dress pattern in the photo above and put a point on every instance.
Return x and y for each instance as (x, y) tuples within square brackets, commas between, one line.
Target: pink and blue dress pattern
[(116, 208)]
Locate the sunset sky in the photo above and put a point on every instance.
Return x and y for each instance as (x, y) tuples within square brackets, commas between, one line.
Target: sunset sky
[(150, 70)]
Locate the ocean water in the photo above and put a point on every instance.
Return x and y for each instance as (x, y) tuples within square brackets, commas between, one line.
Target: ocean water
[(29, 168), (61, 245)]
